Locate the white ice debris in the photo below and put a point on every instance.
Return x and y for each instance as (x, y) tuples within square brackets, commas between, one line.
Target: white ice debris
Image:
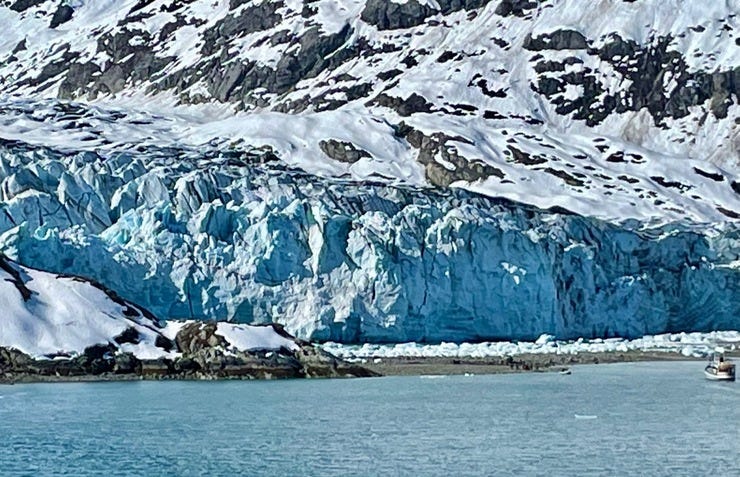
[(688, 344)]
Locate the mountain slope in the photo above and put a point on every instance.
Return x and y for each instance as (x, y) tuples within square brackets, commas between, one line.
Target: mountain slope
[(46, 314), (615, 109)]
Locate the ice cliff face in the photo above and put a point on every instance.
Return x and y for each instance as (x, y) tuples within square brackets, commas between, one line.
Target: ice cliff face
[(217, 237), (371, 170)]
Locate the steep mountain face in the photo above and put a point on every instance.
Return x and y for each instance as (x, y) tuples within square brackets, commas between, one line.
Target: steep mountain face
[(381, 170), (611, 108)]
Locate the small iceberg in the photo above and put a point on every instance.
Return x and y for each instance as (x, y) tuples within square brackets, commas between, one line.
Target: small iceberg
[(585, 416)]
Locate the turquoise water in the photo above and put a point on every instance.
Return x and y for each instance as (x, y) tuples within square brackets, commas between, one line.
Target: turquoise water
[(626, 419)]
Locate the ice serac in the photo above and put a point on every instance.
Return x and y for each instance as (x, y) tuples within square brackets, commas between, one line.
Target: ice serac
[(221, 236)]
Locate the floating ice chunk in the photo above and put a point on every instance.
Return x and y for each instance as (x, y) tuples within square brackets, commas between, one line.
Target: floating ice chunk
[(544, 339)]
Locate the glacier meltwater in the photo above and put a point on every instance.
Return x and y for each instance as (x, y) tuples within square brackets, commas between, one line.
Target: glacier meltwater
[(233, 236)]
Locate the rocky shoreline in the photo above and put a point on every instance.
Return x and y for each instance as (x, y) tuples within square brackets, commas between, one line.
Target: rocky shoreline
[(200, 354), (99, 364), (220, 351), (412, 366)]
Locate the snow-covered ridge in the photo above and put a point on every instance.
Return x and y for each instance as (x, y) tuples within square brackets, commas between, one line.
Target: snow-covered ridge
[(47, 315), (688, 344), (612, 109)]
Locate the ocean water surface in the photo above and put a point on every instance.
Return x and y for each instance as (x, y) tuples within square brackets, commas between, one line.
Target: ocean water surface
[(657, 419)]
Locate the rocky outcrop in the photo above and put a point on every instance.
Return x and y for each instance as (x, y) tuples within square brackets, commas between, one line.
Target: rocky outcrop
[(62, 14), (132, 61), (557, 40), (414, 103), (443, 165), (23, 5), (659, 65), (389, 15), (515, 7), (342, 151), (202, 354)]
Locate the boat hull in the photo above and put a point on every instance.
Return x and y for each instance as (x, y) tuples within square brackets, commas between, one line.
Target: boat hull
[(714, 375)]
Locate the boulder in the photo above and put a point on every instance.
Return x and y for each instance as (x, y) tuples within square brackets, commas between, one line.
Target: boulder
[(63, 14)]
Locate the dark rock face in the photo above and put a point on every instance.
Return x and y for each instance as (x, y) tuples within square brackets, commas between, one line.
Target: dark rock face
[(23, 5), (389, 15), (164, 343), (63, 14), (456, 167), (21, 46), (643, 68), (415, 103), (254, 18), (129, 335), (17, 280), (130, 64), (514, 7), (126, 363), (98, 359), (557, 40), (236, 82), (449, 6), (342, 151), (736, 186)]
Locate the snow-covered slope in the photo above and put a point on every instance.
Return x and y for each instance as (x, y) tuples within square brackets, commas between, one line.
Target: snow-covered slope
[(44, 314), (615, 109), (368, 170), (48, 314)]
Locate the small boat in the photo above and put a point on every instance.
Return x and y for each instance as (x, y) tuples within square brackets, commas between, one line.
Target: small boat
[(564, 371), (719, 368)]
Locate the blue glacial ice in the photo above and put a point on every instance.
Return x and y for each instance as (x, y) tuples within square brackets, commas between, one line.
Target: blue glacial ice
[(217, 236)]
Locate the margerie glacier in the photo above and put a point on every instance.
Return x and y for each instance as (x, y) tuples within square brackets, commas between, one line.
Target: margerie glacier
[(381, 171)]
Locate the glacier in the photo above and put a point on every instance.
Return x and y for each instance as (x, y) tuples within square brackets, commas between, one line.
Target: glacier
[(381, 171), (244, 238)]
